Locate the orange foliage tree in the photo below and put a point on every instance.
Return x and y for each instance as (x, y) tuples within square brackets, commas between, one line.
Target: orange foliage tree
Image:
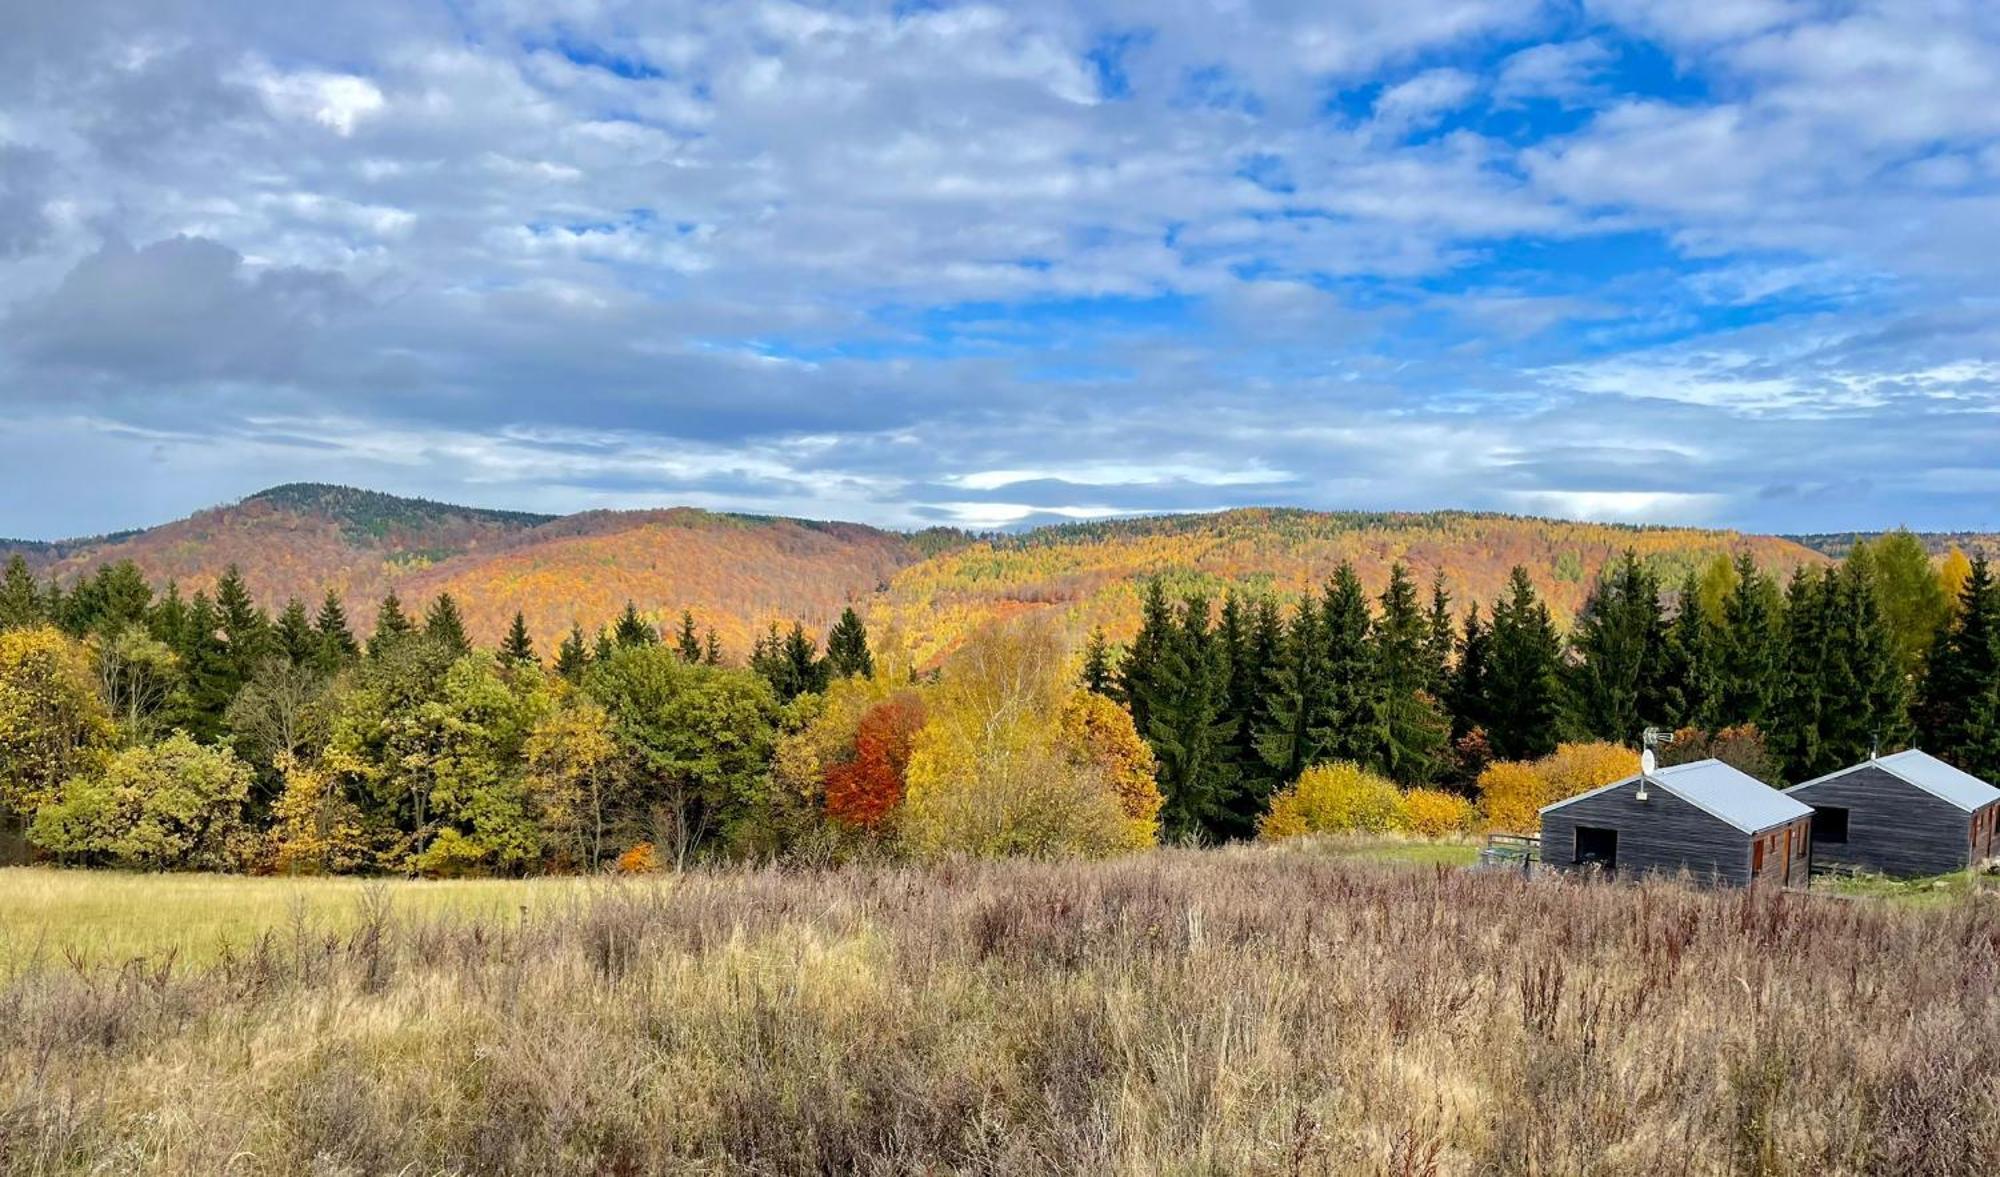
[(864, 791), (1512, 793)]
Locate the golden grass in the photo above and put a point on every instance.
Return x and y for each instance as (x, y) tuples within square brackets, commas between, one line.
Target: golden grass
[(1254, 1011)]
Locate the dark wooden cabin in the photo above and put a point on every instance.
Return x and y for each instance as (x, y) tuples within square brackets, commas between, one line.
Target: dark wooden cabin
[(1907, 815), (1718, 824)]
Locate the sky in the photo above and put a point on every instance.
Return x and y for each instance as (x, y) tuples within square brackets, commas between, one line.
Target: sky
[(1720, 262)]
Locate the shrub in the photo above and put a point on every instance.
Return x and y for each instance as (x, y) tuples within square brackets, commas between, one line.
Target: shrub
[(1434, 813), (174, 805), (1512, 793), (1099, 732), (1334, 798), (639, 860), (452, 855)]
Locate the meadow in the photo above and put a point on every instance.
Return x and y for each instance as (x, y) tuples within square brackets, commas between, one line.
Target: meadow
[(1284, 1009)]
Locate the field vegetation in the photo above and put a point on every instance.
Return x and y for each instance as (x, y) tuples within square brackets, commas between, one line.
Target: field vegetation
[(1277, 1009)]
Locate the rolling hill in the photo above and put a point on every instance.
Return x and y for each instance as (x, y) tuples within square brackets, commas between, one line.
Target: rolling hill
[(740, 572)]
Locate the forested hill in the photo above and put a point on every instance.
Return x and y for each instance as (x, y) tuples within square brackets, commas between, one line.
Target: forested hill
[(740, 572), (1937, 543), (1093, 572)]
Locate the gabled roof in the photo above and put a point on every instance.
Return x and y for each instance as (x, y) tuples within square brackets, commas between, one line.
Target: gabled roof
[(1928, 773), (1718, 790)]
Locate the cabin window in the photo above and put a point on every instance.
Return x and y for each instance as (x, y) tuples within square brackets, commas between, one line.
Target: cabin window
[(1596, 847), (1829, 825)]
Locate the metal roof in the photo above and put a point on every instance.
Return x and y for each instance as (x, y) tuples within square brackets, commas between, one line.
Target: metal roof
[(1718, 790), (1930, 774)]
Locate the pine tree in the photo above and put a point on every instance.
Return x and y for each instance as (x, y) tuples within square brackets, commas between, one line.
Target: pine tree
[(444, 625), (1687, 664), (1873, 675), (1249, 694), (1294, 696), (1522, 691), (1807, 667), (1189, 727), (572, 657), (519, 648), (687, 643), (1466, 695), (1748, 646), (169, 617), (1139, 673), (392, 625), (206, 685), (606, 649), (805, 671), (632, 630), (337, 647), (246, 631), (1097, 664), (847, 647), (1410, 729), (1959, 709), (1345, 726), (294, 634), (1613, 687), (1442, 640), (711, 649), (20, 596)]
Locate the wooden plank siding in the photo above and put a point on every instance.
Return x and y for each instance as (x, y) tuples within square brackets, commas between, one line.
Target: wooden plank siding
[(1893, 827), (1660, 835)]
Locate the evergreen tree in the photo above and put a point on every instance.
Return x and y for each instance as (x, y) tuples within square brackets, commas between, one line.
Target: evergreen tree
[(688, 642), (1139, 674), (294, 635), (1523, 693), (1410, 729), (805, 671), (1748, 646), (711, 649), (1808, 666), (1466, 695), (392, 625), (246, 632), (206, 681), (519, 648), (1345, 726), (1097, 676), (1687, 664), (444, 625), (1189, 727), (20, 596), (1443, 639), (1959, 709), (107, 602), (337, 647), (1613, 686), (1873, 676), (1294, 697), (1250, 678), (632, 630), (605, 650), (572, 657), (168, 617), (847, 647)]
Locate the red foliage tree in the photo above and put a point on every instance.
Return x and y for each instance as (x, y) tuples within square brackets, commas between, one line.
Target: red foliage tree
[(865, 790)]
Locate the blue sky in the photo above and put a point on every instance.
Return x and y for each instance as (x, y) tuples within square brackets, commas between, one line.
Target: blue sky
[(1720, 262)]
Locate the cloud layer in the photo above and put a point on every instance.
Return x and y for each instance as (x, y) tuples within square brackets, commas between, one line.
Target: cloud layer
[(1722, 262)]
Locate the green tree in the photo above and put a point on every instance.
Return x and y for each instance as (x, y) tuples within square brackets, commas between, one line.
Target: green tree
[(1523, 695), (1913, 601), (208, 675), (1411, 730), (392, 625), (847, 647), (519, 648), (1189, 727), (1097, 673), (337, 648), (1346, 723), (1958, 711), (137, 675), (1441, 643), (1613, 685), (294, 636), (246, 632), (1748, 646), (632, 631), (1688, 690), (175, 805), (688, 642), (573, 657), (20, 596), (1294, 694), (444, 625), (1467, 692)]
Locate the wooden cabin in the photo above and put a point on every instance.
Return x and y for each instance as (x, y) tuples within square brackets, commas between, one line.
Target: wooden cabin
[(1909, 814), (1718, 824)]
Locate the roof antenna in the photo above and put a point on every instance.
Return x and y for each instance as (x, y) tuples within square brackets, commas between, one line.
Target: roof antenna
[(1651, 738), (1874, 743)]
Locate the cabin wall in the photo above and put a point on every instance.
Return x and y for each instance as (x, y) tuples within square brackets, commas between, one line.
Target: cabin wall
[(1787, 857), (1661, 835), (1893, 827)]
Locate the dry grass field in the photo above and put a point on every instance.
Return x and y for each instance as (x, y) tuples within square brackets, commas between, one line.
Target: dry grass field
[(1241, 1011)]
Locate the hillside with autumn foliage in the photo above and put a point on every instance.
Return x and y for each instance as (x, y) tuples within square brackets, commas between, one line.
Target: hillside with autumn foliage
[(739, 573), (1092, 573)]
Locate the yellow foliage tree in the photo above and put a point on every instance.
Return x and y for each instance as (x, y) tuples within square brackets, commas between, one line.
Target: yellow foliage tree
[(52, 724), (1333, 798), (1100, 732), (315, 828), (1953, 571), (571, 757), (1512, 793), (1434, 813)]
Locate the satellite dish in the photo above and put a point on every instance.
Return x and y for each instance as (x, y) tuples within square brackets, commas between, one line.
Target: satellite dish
[(1648, 762)]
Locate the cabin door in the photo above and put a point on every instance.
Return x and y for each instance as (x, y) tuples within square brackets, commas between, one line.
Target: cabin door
[(1597, 847)]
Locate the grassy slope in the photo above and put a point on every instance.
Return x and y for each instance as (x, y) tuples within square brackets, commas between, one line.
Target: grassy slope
[(1245, 1011)]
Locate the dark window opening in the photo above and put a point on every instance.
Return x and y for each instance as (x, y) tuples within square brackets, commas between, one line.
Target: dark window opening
[(1829, 825), (1596, 847)]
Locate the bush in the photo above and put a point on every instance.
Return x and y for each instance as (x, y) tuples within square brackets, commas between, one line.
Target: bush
[(639, 860), (452, 855), (1512, 792), (1434, 813), (1335, 798), (174, 805)]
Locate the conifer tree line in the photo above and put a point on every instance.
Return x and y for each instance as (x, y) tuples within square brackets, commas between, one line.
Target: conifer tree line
[(153, 729), (1875, 653)]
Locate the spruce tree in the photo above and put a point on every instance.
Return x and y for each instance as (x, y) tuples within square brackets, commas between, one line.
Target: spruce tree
[(444, 625), (1097, 676), (1294, 694), (1411, 730), (1687, 664), (1345, 724), (337, 647), (1748, 646), (1613, 685), (246, 631), (1249, 706), (294, 635), (711, 649), (1189, 727), (1523, 693), (1958, 713), (606, 649), (1808, 666), (392, 625), (573, 657), (519, 648), (847, 647), (1466, 694), (805, 671), (1443, 638), (1872, 674), (168, 617), (632, 630), (687, 641), (207, 684), (1139, 673), (20, 596)]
